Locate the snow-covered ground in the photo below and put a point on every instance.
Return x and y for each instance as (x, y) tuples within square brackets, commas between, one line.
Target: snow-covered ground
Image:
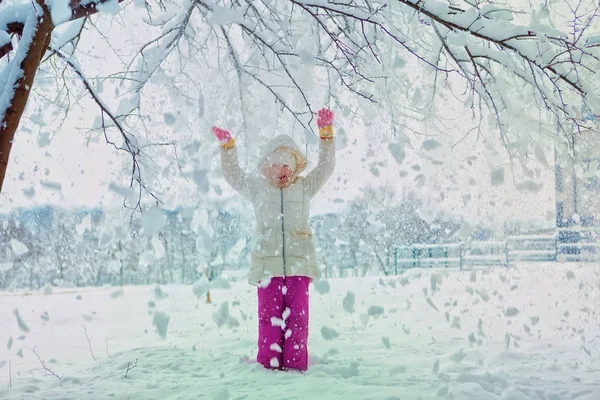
[(531, 332)]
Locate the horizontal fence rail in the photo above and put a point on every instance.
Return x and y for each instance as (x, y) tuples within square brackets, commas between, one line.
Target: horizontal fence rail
[(567, 244)]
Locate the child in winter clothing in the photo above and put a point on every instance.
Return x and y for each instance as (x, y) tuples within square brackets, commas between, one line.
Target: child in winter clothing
[(284, 260)]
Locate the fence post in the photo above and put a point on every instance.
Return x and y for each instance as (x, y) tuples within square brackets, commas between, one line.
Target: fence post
[(415, 258), (446, 257)]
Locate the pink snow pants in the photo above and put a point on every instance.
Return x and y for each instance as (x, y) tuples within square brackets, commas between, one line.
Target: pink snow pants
[(283, 323)]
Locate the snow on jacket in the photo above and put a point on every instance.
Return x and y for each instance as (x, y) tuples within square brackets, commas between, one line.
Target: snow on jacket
[(280, 233)]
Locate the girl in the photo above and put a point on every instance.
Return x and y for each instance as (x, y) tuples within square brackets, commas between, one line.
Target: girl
[(284, 260)]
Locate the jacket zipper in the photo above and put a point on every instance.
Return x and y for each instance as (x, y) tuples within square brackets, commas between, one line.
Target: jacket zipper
[(283, 234)]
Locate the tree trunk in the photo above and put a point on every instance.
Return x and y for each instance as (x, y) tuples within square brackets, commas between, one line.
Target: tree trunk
[(182, 257), (29, 65)]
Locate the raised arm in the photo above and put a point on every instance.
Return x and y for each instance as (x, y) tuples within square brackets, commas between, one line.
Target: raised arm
[(234, 175), (320, 174)]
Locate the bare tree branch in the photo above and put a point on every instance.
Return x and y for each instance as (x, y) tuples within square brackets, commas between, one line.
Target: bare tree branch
[(44, 365), (89, 342)]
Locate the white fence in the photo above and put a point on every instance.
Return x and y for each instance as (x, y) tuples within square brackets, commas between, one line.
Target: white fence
[(568, 244)]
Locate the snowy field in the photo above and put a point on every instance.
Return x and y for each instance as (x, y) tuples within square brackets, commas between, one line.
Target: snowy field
[(527, 333)]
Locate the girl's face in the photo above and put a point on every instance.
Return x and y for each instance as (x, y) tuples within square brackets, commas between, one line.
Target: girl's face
[(280, 174)]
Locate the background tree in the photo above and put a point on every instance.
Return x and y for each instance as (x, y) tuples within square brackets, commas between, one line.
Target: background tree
[(499, 60)]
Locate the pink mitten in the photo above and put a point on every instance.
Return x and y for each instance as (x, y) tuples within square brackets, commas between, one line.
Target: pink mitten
[(223, 136), (324, 117), (325, 123)]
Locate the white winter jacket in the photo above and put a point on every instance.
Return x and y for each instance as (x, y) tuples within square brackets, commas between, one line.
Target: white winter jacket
[(282, 243)]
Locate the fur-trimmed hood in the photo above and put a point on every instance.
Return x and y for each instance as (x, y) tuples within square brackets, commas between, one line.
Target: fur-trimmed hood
[(279, 150)]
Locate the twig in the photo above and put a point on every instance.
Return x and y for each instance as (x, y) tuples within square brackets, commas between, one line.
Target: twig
[(89, 340), (109, 356), (130, 367), (43, 363)]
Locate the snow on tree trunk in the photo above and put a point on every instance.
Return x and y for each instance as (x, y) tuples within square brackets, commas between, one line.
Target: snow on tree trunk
[(33, 23), (18, 78)]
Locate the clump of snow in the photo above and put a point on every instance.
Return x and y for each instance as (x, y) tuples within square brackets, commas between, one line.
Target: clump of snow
[(225, 15), (127, 192), (274, 362), (201, 287), (322, 286), (350, 371), (348, 302), (263, 284), (386, 342), (375, 311), (276, 347), (341, 139), (570, 275), (161, 323), (6, 266), (483, 294), (473, 276), (18, 247), (529, 186), (158, 293), (200, 177), (397, 152), (60, 11), (329, 333), (223, 394), (511, 312), (221, 317), (159, 249), (364, 318), (497, 176), (278, 322), (109, 6), (106, 238), (220, 283), (51, 185), (116, 293), (43, 139), (286, 313), (400, 369), (152, 221), (47, 289), (458, 356), (169, 119), (443, 391), (10, 343), (431, 304), (430, 144), (435, 280), (20, 322)]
